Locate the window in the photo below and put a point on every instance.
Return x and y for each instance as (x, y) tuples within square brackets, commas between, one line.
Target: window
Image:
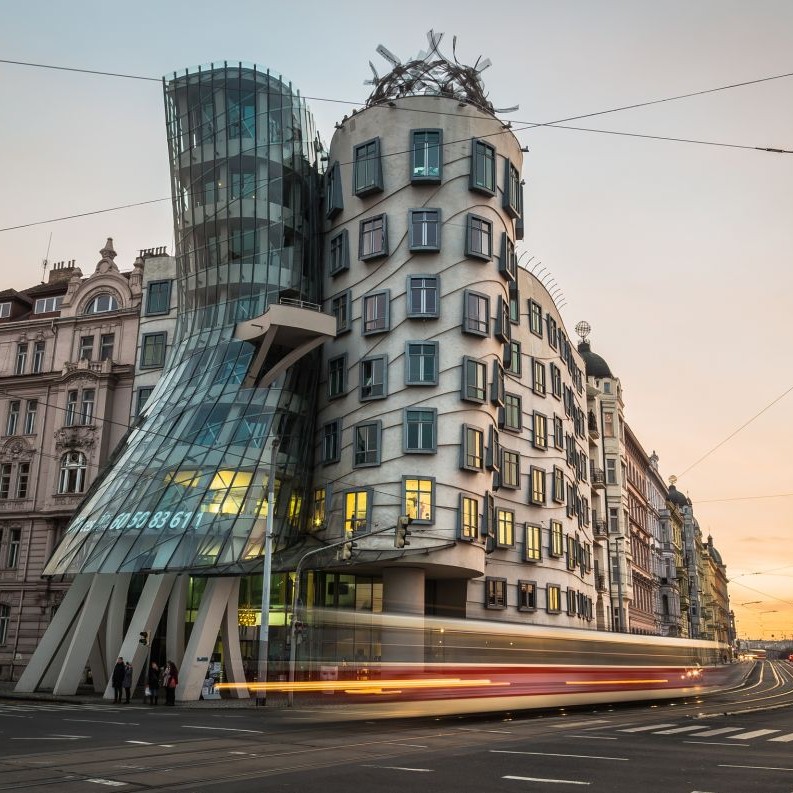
[(611, 470), (512, 190), (23, 480), (533, 543), (337, 377), (242, 245), (556, 381), (340, 308), (535, 318), (142, 398), (538, 377), (473, 449), (496, 593), (527, 595), (510, 469), (553, 599), (608, 425), (373, 238), (421, 363), (537, 495), (320, 501), (367, 173), (158, 298), (513, 413), (22, 358), (503, 329), (243, 185), (339, 258), (426, 162), (106, 343), (483, 168), (540, 435), (556, 539), (420, 430), (30, 416), (87, 406), (45, 305), (5, 619), (72, 473), (469, 518), (479, 238), (558, 433), (356, 510), (366, 440), (101, 304), (12, 422), (425, 229), (557, 486), (514, 305), (552, 330), (86, 348), (476, 313), (71, 408), (474, 385), (423, 295), (572, 552), (14, 542), (508, 262), (331, 433), (497, 384), (38, 357), (334, 201), (152, 350), (5, 310), (419, 499), (5, 480), (240, 114), (505, 528), (373, 375), (376, 313), (514, 358)]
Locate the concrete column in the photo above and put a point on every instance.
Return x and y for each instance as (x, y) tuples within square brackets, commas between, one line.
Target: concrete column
[(403, 594), (230, 636), (175, 625)]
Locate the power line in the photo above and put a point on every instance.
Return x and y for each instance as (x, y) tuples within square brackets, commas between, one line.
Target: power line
[(743, 498)]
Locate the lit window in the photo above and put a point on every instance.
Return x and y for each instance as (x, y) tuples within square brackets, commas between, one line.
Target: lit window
[(423, 296), (420, 430), (553, 595), (537, 495), (373, 238), (72, 473), (339, 258), (533, 552), (496, 593), (366, 440), (505, 527), (474, 385), (479, 238), (356, 511), (337, 376), (540, 435), (376, 313), (340, 308), (426, 161), (367, 172), (538, 377), (101, 304), (152, 350), (373, 377), (476, 313), (556, 539), (473, 449), (469, 518), (421, 363), (527, 595), (483, 168), (425, 229), (419, 499)]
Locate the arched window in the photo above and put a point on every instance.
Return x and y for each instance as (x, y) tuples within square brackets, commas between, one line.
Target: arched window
[(72, 474), (102, 303)]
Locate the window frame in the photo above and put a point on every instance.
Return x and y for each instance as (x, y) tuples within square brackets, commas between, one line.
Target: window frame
[(69, 484), (465, 529), (29, 424), (555, 539), (473, 381), (480, 228), (532, 542), (142, 396), (147, 338), (473, 324), (410, 358), (95, 305), (537, 486), (369, 166), (334, 192), (21, 360), (472, 459), (168, 285), (538, 375), (341, 308), (512, 482), (430, 420), (425, 226), (337, 376), (372, 360), (512, 202), (508, 261), (553, 593), (330, 440), (495, 593), (381, 323), (339, 253), (373, 227), (374, 431), (539, 434), (482, 177), (513, 408), (426, 178), (527, 602), (505, 527), (421, 483), (12, 417), (418, 289), (535, 318)]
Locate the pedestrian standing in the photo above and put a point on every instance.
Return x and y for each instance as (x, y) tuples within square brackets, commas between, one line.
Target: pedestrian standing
[(171, 681), (117, 679), (127, 681), (153, 683)]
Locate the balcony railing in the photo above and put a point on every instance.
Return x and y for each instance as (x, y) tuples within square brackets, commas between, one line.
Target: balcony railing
[(600, 528), (597, 476)]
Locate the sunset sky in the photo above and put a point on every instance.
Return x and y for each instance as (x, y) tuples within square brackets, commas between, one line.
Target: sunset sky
[(678, 254)]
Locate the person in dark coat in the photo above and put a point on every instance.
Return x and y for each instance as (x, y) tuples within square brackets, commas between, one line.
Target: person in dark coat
[(170, 681), (153, 683), (127, 681), (117, 679)]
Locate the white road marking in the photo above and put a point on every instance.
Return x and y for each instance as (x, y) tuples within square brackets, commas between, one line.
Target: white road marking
[(474, 729), (745, 736), (783, 738), (95, 721), (717, 743), (400, 768), (223, 729), (647, 728), (412, 745), (111, 782), (757, 767), (718, 731), (549, 781), (553, 754), (52, 738), (142, 743), (593, 737), (568, 725), (676, 730)]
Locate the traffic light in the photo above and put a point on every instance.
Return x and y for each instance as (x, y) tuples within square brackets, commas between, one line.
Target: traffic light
[(402, 531), (347, 549), (144, 638)]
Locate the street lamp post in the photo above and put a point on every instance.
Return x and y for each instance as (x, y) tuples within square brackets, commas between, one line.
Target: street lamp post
[(264, 627)]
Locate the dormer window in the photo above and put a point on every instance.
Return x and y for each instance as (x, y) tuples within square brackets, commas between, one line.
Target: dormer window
[(44, 305), (102, 304), (5, 310)]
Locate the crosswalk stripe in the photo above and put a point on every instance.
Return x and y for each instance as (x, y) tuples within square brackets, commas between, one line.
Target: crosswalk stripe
[(647, 728), (783, 738), (678, 729), (718, 731), (745, 736)]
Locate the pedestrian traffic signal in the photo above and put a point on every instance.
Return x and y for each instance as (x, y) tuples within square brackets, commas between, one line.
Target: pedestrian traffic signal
[(402, 531), (144, 638), (347, 549)]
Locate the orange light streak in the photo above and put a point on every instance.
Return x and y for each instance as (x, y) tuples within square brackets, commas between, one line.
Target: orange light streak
[(358, 686)]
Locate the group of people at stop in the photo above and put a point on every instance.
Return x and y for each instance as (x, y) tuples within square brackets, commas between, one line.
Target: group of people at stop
[(156, 679)]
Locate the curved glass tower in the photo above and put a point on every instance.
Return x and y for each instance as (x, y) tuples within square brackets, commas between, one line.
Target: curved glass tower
[(187, 488)]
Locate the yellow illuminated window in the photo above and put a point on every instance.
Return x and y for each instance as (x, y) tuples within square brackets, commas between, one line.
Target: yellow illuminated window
[(355, 511), (418, 499)]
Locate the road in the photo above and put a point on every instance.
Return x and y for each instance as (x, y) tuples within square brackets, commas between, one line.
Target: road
[(737, 741)]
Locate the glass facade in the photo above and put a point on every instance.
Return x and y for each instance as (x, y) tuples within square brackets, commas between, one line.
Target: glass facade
[(187, 488)]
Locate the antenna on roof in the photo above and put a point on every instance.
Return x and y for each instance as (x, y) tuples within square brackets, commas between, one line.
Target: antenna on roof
[(46, 262)]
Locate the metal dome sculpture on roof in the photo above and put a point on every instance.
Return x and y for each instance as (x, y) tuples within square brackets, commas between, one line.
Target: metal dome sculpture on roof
[(432, 74)]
